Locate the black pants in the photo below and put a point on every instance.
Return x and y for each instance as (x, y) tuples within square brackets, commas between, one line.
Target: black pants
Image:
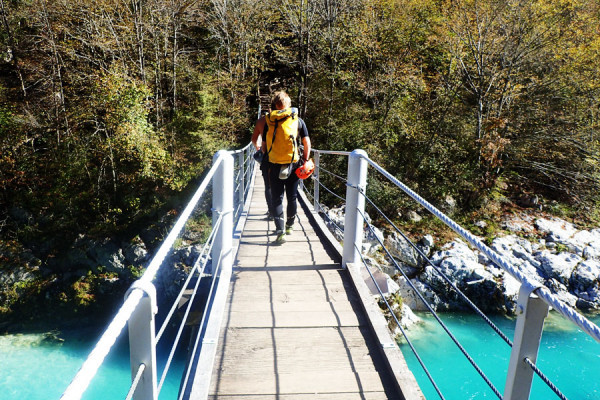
[(264, 169), (278, 187)]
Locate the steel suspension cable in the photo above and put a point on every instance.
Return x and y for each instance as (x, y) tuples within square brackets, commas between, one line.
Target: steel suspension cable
[(189, 278), (414, 350), (309, 194), (188, 309), (432, 311), (334, 224), (333, 174), (180, 330), (136, 381), (211, 293), (330, 191), (167, 244), (439, 271), (324, 212), (545, 379)]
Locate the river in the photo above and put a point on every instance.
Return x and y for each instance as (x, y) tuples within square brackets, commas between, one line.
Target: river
[(34, 368), (569, 357)]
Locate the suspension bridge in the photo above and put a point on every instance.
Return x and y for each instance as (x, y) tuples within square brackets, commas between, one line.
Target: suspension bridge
[(299, 320)]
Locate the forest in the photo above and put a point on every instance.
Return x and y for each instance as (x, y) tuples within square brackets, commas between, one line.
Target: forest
[(110, 109)]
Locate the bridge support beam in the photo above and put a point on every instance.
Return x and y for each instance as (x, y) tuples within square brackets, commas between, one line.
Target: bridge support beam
[(355, 206), (532, 312), (242, 181), (223, 182), (316, 177), (142, 341)]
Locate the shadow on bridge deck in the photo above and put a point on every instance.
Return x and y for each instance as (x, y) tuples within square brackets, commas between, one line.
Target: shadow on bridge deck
[(294, 325)]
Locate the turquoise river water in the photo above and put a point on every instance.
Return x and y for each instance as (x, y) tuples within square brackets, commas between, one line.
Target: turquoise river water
[(569, 357), (35, 369)]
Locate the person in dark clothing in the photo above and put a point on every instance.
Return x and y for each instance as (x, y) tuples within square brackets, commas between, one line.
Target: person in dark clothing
[(284, 127), (259, 133)]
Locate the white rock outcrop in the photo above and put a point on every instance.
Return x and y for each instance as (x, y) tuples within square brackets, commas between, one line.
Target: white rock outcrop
[(562, 258)]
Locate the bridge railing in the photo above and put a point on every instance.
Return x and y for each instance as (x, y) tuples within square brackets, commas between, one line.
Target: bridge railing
[(231, 177), (534, 299)]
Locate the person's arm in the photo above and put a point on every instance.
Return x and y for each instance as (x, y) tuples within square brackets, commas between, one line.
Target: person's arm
[(258, 129), (303, 132), (306, 143)]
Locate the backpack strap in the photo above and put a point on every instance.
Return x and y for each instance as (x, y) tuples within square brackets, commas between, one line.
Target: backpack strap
[(294, 148), (274, 132)]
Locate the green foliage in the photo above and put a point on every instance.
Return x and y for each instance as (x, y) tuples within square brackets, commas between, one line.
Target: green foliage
[(203, 129), (560, 248), (106, 116), (198, 228), (83, 295), (136, 272), (395, 302), (137, 149)]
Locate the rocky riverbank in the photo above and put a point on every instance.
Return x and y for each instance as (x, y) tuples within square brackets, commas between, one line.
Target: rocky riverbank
[(83, 282), (549, 250)]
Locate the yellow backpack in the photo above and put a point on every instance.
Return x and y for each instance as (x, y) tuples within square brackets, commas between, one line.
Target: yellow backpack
[(281, 136)]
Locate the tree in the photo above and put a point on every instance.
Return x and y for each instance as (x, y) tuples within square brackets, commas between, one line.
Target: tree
[(299, 16), (497, 47)]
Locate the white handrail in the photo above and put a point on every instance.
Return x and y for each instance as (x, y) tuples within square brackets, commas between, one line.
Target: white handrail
[(334, 152)]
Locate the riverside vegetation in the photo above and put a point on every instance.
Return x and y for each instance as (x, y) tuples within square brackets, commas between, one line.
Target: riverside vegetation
[(110, 111)]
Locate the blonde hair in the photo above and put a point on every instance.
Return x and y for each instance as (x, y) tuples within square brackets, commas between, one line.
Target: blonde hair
[(280, 100)]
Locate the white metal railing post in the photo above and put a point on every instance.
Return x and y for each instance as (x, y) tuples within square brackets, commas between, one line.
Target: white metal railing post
[(142, 343), (223, 184), (316, 181), (531, 312), (242, 183), (353, 223)]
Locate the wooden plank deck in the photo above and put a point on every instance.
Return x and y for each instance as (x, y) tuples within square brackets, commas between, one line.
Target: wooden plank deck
[(293, 325)]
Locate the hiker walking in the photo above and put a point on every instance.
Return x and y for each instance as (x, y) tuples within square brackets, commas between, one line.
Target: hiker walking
[(282, 132), (260, 131)]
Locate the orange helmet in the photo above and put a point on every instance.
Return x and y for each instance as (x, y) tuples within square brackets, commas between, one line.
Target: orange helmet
[(306, 169)]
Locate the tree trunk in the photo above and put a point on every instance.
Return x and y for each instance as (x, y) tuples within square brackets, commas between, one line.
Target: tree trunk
[(13, 48), (174, 68), (139, 33), (57, 80)]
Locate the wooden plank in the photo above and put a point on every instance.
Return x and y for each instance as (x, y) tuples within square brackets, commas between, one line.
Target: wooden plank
[(292, 307), (302, 276), (297, 319), (337, 348), (288, 359), (307, 396), (298, 382)]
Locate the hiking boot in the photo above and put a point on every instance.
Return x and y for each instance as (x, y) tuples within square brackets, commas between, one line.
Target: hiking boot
[(280, 238), (289, 229)]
